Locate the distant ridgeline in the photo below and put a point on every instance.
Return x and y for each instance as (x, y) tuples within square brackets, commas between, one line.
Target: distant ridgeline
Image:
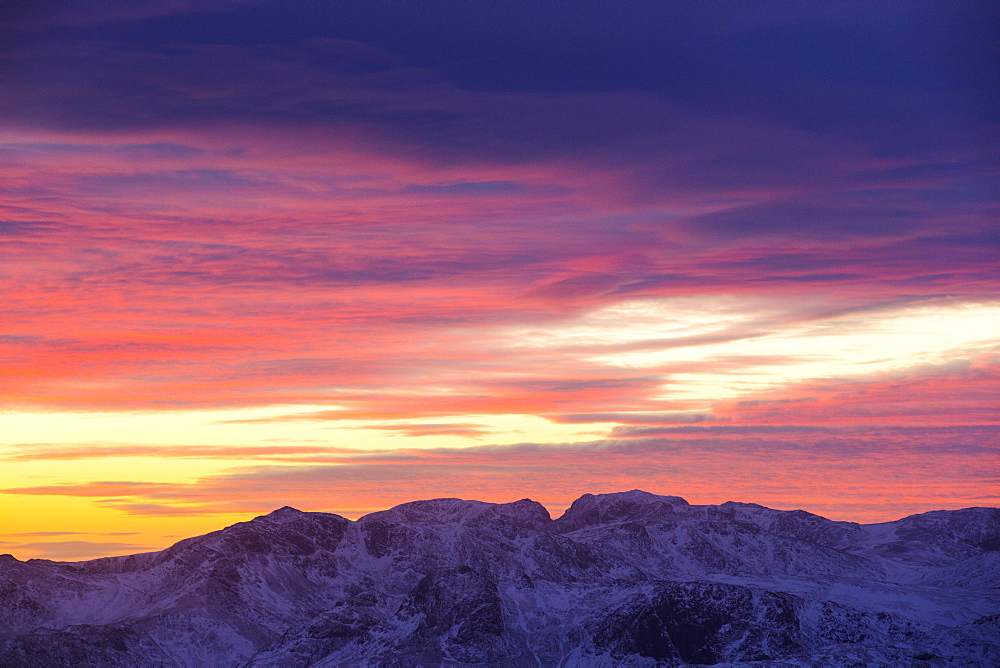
[(630, 578)]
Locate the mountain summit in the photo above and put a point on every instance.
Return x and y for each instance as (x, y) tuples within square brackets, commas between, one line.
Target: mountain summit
[(620, 579)]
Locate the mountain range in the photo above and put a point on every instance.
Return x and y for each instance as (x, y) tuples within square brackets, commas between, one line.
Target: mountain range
[(626, 579)]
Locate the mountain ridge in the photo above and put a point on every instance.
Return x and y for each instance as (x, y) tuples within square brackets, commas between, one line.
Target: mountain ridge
[(629, 578)]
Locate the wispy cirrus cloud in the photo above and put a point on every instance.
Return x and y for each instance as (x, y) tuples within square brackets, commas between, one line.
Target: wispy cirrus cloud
[(359, 231), (74, 550), (469, 429), (34, 534), (807, 470), (59, 452)]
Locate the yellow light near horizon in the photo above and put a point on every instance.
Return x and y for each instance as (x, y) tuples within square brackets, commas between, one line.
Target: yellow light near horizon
[(197, 426), (146, 430), (32, 522), (685, 340)]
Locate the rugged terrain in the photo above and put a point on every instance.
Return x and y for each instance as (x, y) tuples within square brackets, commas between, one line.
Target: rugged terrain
[(619, 579)]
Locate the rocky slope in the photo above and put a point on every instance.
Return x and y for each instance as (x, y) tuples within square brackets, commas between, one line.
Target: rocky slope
[(619, 579)]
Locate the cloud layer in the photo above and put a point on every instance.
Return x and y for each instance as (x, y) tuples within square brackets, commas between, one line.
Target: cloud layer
[(703, 224)]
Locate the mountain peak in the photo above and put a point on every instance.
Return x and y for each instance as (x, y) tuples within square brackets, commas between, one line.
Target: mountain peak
[(594, 509), (283, 514), (629, 578), (433, 511)]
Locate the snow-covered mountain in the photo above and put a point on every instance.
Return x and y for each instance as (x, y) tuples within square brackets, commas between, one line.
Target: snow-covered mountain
[(620, 579)]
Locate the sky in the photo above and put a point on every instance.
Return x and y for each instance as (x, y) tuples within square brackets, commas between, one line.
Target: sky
[(341, 255)]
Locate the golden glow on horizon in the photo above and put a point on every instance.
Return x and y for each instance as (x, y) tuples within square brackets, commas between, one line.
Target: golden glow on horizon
[(93, 530), (711, 350), (225, 288)]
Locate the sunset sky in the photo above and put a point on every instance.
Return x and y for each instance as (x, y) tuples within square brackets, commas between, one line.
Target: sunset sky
[(345, 254)]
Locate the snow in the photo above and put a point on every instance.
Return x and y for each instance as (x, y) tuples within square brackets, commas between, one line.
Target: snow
[(450, 580)]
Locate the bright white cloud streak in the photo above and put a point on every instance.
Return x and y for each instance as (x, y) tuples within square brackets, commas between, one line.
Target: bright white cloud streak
[(716, 348)]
